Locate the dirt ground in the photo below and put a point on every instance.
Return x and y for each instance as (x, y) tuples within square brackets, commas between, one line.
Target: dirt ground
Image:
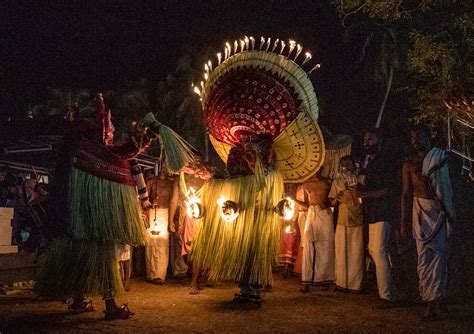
[(170, 308)]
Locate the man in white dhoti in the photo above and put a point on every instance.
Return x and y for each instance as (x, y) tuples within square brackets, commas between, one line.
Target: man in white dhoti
[(427, 188), (349, 237), (158, 247), (124, 254), (191, 181), (318, 233)]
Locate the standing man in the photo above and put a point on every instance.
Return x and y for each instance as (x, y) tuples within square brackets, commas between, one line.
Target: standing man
[(193, 178), (427, 204), (349, 230), (378, 213), (318, 234), (158, 247)]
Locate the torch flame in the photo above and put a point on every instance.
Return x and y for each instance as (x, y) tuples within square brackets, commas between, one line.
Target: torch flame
[(289, 210), (193, 204), (229, 210), (221, 201)]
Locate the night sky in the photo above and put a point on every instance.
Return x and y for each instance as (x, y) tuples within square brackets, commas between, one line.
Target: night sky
[(104, 44)]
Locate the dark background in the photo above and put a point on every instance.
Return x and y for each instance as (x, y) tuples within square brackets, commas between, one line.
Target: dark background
[(105, 44)]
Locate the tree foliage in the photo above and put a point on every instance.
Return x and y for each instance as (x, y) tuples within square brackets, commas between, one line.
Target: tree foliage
[(171, 99), (435, 44)]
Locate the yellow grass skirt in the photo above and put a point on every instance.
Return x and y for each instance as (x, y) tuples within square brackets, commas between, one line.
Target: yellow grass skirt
[(245, 248)]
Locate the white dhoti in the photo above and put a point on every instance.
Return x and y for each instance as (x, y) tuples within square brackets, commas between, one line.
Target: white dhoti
[(318, 247), (430, 233), (349, 245), (123, 252), (157, 249)]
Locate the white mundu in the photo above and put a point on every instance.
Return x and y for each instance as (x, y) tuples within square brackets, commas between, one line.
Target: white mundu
[(157, 249), (349, 239), (318, 247), (123, 252), (430, 230), (350, 257)]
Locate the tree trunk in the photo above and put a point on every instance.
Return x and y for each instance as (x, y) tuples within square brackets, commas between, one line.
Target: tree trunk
[(384, 102)]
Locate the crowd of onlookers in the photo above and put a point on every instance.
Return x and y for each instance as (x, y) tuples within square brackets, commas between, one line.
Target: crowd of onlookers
[(341, 236), (347, 232), (27, 194), (379, 208)]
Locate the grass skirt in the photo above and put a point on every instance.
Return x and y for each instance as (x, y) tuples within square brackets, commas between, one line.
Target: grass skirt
[(246, 248), (83, 261)]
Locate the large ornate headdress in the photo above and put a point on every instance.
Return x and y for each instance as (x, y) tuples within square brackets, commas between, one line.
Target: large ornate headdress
[(260, 89)]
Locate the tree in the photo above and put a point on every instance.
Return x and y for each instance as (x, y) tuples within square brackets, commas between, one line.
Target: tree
[(377, 55), (179, 107), (435, 44)]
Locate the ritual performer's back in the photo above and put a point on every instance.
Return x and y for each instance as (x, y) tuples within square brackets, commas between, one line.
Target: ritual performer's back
[(261, 112)]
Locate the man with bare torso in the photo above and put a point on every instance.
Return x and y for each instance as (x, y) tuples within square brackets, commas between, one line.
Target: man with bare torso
[(426, 205), (317, 233), (194, 179), (157, 250)]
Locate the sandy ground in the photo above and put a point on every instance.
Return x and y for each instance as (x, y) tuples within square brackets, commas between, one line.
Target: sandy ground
[(170, 308)]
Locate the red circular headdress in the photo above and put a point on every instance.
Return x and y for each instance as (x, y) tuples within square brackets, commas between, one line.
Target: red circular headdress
[(257, 93), (251, 102)]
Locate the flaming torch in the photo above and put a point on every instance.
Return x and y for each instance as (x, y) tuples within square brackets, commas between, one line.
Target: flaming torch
[(229, 210), (194, 208), (285, 208)]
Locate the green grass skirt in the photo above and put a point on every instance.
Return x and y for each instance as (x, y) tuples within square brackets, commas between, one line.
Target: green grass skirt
[(83, 262), (246, 248)]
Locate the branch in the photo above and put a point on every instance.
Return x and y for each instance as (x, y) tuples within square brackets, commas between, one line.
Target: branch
[(408, 11), (350, 13)]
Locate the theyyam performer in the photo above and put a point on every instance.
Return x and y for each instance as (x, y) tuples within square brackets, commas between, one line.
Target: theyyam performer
[(261, 112), (96, 209)]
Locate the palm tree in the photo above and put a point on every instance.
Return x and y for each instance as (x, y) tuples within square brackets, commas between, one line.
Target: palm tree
[(128, 104), (61, 98), (179, 106)]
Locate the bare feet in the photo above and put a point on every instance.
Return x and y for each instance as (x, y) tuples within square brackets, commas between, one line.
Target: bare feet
[(158, 281), (194, 291)]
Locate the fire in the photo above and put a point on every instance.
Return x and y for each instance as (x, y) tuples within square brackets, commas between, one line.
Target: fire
[(194, 207), (229, 210)]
